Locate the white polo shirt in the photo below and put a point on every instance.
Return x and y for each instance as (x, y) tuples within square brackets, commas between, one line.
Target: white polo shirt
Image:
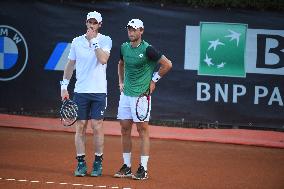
[(90, 73)]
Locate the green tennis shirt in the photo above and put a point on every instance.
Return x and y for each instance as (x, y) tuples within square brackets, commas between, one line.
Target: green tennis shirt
[(139, 65)]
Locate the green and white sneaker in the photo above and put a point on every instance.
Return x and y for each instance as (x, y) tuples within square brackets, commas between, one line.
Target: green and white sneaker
[(97, 169), (81, 169)]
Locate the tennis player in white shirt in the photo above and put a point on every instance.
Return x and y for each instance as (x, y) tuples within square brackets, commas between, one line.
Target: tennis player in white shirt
[(89, 54)]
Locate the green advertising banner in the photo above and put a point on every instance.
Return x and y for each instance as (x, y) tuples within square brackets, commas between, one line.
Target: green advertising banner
[(222, 49)]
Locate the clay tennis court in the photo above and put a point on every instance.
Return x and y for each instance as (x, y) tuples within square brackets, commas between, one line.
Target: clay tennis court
[(39, 153)]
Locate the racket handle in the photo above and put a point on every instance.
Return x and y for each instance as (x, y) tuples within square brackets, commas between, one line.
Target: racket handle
[(148, 97)]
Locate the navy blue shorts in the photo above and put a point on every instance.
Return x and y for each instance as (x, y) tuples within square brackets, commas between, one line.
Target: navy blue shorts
[(90, 105)]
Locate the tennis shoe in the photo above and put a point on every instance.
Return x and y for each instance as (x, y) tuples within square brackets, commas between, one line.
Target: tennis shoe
[(97, 169), (81, 169), (141, 174), (124, 172)]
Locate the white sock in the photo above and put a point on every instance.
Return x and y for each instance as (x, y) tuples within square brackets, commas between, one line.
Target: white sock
[(80, 154), (98, 154), (144, 161), (127, 159)]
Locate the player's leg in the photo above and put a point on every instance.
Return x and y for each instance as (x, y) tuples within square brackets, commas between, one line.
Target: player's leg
[(124, 114), (126, 127), (97, 114), (125, 170), (98, 135), (80, 135), (80, 144), (98, 141), (143, 130)]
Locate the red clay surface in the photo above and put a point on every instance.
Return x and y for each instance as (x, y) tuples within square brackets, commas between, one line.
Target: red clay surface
[(34, 158)]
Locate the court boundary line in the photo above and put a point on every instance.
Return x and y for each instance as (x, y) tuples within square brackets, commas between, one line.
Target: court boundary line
[(60, 183)]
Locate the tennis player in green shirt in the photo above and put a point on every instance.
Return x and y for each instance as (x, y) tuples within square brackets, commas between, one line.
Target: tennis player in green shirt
[(138, 60)]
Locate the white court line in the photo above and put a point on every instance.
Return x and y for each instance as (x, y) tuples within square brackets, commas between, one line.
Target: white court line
[(23, 180), (62, 183), (48, 182), (77, 184), (10, 179)]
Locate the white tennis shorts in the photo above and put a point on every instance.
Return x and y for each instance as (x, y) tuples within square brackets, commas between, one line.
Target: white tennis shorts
[(127, 108)]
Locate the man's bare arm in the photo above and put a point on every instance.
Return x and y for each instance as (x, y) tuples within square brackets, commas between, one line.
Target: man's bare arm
[(121, 74), (102, 55), (165, 67), (68, 70)]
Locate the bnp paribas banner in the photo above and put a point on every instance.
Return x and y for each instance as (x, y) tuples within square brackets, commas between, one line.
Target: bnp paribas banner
[(222, 49), (235, 48), (239, 69)]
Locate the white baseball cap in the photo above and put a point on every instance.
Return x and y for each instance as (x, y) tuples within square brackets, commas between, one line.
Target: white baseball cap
[(135, 23), (96, 15)]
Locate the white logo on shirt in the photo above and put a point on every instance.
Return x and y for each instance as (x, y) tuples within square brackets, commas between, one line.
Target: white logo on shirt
[(140, 55)]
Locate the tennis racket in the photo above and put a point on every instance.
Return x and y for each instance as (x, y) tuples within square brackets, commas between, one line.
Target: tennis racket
[(143, 106), (68, 112)]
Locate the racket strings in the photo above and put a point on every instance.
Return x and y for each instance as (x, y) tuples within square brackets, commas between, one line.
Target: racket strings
[(68, 112), (142, 107)]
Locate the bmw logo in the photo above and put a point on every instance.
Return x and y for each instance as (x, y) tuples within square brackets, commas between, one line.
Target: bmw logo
[(13, 53)]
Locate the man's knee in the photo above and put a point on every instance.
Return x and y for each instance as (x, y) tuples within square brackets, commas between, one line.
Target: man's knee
[(142, 129), (126, 127), (126, 130), (81, 127), (97, 125)]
